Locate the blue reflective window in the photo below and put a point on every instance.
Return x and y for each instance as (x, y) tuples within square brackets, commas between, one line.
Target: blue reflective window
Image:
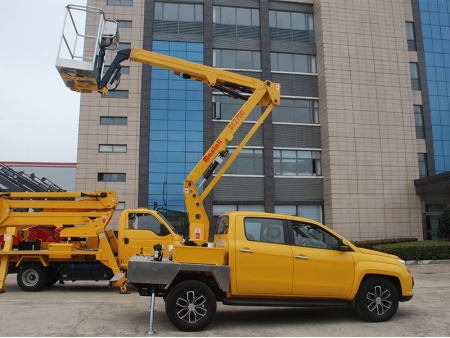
[(176, 125), (446, 133), (439, 60), (159, 94), (438, 148), (158, 125), (439, 164), (158, 156), (446, 148), (426, 31), (161, 46), (192, 157), (178, 136), (176, 146), (433, 5), (443, 100), (437, 133), (442, 91), (445, 117)]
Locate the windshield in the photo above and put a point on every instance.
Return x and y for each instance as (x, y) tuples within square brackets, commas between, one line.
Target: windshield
[(168, 223)]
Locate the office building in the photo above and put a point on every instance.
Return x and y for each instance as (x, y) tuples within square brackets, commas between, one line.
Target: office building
[(362, 126)]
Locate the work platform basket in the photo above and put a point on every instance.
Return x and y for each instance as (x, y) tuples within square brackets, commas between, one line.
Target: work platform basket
[(85, 33)]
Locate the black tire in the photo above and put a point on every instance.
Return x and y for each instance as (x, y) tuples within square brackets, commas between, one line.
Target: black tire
[(377, 300), (52, 276), (191, 306), (32, 277)]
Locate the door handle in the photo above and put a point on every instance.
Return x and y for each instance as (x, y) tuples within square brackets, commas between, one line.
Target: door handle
[(246, 250), (126, 240), (301, 257)]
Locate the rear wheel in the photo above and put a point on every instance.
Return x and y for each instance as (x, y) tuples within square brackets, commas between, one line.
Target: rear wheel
[(32, 277), (377, 300), (191, 306)]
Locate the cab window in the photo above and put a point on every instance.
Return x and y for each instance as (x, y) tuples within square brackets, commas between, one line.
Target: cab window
[(267, 230), (147, 222), (222, 225), (313, 236)]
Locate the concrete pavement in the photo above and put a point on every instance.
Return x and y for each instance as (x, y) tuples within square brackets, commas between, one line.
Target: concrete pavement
[(92, 309)]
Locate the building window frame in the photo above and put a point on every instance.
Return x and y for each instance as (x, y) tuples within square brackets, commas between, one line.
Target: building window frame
[(423, 165), (225, 108), (126, 3), (116, 94), (113, 120), (289, 63), (112, 148), (295, 113), (301, 211), (418, 119), (241, 17), (415, 77), (111, 177), (250, 162), (291, 26), (236, 22), (410, 36), (297, 162), (124, 23), (237, 59)]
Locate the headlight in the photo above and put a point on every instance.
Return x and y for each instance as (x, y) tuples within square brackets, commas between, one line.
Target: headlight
[(402, 261)]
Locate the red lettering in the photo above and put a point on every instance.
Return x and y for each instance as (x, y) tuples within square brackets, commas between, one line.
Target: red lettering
[(212, 151)]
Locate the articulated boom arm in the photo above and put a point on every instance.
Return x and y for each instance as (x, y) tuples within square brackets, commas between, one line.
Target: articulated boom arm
[(254, 91), (94, 210)]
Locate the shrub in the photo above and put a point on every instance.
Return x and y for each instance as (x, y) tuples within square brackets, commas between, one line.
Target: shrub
[(443, 228), (370, 244), (413, 251)]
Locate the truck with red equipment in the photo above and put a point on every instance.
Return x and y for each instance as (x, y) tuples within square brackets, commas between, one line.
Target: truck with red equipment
[(86, 249)]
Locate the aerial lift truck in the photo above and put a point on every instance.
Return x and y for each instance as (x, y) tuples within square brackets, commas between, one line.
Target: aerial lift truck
[(86, 74), (256, 258)]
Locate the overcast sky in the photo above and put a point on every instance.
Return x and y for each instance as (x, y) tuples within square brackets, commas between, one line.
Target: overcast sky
[(38, 113)]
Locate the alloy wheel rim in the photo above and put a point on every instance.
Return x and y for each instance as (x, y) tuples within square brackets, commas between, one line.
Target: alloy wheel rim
[(378, 300), (191, 307)]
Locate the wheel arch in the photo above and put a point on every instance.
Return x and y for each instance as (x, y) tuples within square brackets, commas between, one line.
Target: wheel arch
[(393, 279), (207, 279)]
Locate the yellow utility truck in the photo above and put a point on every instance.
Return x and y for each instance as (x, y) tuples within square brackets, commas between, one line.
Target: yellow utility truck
[(255, 258), (85, 249)]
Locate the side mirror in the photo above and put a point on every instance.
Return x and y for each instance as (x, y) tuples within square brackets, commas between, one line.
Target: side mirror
[(341, 245)]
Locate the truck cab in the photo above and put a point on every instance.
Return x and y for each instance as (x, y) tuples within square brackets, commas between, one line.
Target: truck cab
[(294, 257), (141, 229)]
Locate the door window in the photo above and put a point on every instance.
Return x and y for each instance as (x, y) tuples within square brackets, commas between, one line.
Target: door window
[(313, 236), (265, 230), (146, 222)]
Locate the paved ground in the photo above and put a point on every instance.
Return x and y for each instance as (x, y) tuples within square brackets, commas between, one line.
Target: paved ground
[(92, 309)]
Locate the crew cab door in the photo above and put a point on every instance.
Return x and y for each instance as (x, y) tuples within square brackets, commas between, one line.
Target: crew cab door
[(263, 257), (140, 234), (321, 269)]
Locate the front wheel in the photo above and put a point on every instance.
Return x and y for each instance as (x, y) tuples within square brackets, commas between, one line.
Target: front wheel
[(377, 300), (191, 306), (32, 277)]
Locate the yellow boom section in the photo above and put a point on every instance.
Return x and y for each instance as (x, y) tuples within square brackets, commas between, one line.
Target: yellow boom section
[(22, 210), (258, 93), (81, 77)]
